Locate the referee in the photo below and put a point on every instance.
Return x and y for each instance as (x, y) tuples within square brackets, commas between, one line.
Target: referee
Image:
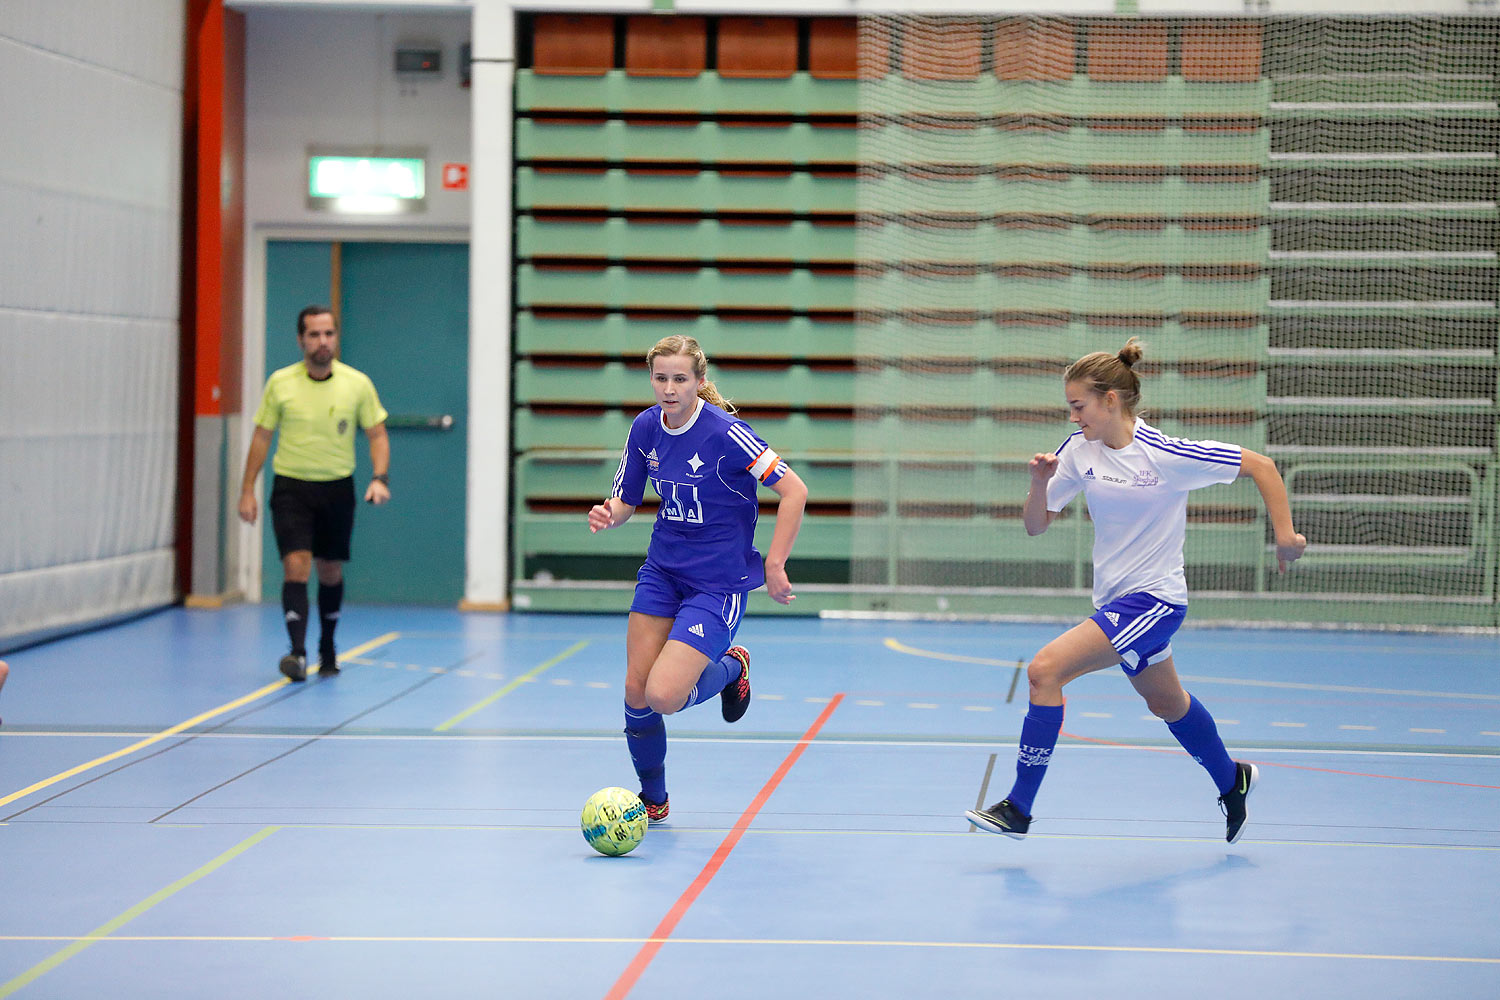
[(316, 404)]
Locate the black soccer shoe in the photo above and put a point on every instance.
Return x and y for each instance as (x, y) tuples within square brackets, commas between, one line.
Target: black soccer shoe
[(328, 659), (294, 667), (1232, 802), (1002, 818), (735, 698)]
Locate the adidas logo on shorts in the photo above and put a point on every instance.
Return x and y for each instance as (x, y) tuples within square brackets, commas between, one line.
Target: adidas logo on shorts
[(1114, 617), (696, 630)]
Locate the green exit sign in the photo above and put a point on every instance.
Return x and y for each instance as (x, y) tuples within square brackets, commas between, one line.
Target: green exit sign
[(366, 183)]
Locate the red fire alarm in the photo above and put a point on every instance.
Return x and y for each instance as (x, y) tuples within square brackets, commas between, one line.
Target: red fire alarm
[(455, 176)]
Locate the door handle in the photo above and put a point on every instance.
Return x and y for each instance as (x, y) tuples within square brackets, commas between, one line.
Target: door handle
[(420, 421)]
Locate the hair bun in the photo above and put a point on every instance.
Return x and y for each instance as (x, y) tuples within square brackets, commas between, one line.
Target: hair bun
[(1131, 352)]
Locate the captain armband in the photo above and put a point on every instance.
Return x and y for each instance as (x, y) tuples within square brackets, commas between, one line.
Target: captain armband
[(764, 465)]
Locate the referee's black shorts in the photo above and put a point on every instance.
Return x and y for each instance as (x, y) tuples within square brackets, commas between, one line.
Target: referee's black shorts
[(316, 516)]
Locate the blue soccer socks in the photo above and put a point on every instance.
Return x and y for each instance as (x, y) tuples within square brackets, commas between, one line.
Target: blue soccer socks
[(646, 736), (715, 677), (1199, 736), (1039, 732)]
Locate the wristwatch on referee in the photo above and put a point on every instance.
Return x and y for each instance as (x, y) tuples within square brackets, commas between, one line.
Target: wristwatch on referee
[(383, 478)]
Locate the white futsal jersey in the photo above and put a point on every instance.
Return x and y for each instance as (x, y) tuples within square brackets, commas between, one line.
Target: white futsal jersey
[(1137, 497)]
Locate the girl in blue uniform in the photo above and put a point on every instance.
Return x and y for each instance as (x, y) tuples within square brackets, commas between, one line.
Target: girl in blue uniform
[(1136, 481), (706, 466)]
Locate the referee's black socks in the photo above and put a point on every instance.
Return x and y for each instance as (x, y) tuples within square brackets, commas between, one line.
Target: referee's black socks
[(330, 599), (294, 607)]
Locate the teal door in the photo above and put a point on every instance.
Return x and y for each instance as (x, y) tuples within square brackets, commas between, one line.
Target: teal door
[(404, 321)]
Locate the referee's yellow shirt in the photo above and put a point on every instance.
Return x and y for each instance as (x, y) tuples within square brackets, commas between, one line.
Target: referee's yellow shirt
[(317, 419)]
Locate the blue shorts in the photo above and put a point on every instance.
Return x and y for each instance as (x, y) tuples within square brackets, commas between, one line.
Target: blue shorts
[(705, 620), (1140, 628)]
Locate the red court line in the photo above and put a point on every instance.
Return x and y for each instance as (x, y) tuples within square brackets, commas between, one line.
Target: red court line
[(648, 951), (1296, 767)]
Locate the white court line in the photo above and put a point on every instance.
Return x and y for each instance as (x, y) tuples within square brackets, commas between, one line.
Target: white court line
[(303, 941), (776, 741)]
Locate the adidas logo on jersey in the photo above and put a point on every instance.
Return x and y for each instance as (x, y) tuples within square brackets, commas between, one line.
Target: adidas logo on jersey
[(696, 630), (1089, 474), (1114, 618)]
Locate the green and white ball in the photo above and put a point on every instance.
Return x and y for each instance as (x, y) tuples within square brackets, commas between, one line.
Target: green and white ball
[(614, 821)]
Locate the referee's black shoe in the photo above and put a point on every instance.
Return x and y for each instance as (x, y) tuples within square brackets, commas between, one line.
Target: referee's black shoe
[(294, 667), (1232, 802), (1002, 818), (328, 660)]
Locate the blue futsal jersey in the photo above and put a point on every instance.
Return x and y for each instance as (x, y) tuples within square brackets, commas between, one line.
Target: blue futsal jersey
[(706, 472)]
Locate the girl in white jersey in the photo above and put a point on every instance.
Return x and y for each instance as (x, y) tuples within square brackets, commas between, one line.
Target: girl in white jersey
[(1136, 481), (706, 465)]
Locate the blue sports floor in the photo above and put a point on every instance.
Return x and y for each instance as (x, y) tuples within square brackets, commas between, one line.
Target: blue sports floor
[(178, 821)]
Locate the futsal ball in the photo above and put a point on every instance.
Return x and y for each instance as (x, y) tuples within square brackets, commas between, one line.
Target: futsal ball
[(613, 821)]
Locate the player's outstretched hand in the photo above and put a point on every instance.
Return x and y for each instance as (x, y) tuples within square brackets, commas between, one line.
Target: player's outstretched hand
[(600, 517), (778, 586), (1043, 467), (1290, 552)]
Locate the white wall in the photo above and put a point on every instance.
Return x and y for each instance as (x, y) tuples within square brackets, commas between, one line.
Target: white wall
[(90, 193), (326, 78), (323, 75)]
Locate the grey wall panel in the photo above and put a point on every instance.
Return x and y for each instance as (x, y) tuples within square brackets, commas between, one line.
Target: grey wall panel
[(136, 38), (209, 489), (88, 130), (58, 597), (90, 193), (74, 255), (87, 437)]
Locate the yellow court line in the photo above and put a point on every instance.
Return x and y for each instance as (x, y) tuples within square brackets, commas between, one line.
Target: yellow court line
[(1342, 688), (956, 658), (531, 674), (104, 930), (782, 942), (182, 726)]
